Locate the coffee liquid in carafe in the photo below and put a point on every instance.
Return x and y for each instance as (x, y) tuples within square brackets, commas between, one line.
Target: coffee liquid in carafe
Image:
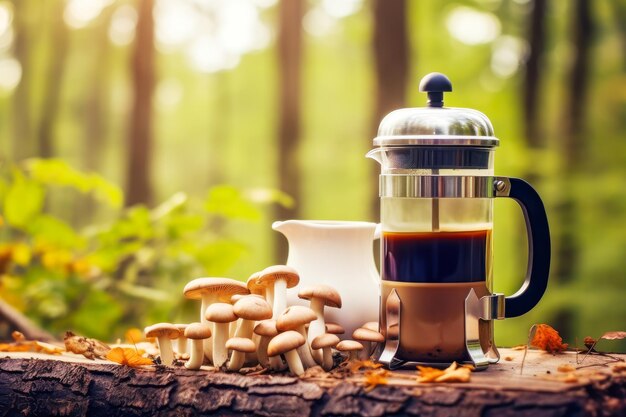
[(433, 272)]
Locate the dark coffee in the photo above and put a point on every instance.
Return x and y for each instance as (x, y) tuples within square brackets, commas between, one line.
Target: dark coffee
[(436, 257)]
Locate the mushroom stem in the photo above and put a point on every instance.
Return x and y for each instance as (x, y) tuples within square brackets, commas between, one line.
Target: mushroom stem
[(353, 355), (236, 360), (165, 347), (294, 362), (261, 351), (207, 300), (232, 328), (245, 328), (269, 296), (327, 362), (220, 336), (280, 297), (365, 353), (197, 355), (181, 344), (304, 351), (317, 327)]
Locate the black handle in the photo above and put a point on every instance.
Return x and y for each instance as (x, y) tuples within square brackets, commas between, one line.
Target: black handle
[(538, 231)]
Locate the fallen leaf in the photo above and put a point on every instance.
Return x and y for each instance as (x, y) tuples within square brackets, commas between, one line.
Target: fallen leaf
[(357, 365), (89, 348), (458, 375), (375, 377), (128, 357), (20, 344), (14, 347), (453, 373), (618, 335), (548, 339), (519, 347), (565, 368), (47, 348)]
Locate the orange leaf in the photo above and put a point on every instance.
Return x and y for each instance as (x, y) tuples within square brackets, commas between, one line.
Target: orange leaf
[(357, 365), (375, 377), (614, 335), (14, 347), (128, 357), (548, 339)]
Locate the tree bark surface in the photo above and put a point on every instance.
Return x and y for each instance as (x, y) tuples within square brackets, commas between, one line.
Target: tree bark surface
[(58, 387)]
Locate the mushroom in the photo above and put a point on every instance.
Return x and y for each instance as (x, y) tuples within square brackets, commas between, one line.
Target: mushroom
[(250, 309), (266, 329), (221, 315), (279, 278), (371, 325), (319, 296), (240, 346), (197, 332), (295, 318), (259, 288), (352, 347), (334, 328), (181, 342), (287, 343), (164, 332), (212, 290), (326, 342), (368, 338)]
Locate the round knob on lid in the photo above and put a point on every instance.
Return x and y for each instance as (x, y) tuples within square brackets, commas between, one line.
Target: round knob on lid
[(435, 84)]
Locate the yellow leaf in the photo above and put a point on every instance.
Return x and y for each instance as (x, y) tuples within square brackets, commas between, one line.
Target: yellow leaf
[(128, 357), (375, 377)]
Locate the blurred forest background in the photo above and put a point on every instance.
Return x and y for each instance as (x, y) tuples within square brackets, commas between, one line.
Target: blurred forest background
[(148, 142)]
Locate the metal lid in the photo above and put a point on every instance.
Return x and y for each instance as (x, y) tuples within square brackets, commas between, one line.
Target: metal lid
[(436, 125)]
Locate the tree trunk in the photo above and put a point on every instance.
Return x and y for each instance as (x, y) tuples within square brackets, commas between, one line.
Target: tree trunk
[(391, 59), (139, 188), (289, 64), (573, 140), (22, 118), (59, 39), (533, 77), (53, 387)]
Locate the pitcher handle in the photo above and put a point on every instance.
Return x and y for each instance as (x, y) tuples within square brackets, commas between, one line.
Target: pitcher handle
[(538, 231)]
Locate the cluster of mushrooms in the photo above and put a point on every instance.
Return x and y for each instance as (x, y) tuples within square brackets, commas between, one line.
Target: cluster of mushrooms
[(250, 323)]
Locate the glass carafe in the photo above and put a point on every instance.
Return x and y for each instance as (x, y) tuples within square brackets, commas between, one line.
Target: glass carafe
[(437, 187)]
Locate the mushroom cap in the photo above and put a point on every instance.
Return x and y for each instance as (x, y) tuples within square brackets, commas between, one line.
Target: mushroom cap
[(241, 344), (334, 328), (284, 342), (237, 297), (371, 325), (220, 313), (324, 341), (294, 317), (162, 329), (253, 284), (253, 308), (348, 346), (181, 327), (197, 331), (224, 287), (367, 335), (274, 272), (324, 292), (266, 328)]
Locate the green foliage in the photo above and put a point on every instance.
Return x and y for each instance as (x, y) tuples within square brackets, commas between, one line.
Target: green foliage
[(105, 277)]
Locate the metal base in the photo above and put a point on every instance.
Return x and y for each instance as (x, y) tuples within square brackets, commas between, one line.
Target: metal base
[(487, 308)]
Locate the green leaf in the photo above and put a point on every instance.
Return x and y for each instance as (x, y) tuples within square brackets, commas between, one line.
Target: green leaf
[(23, 202), (57, 172), (49, 230), (146, 293), (229, 202)]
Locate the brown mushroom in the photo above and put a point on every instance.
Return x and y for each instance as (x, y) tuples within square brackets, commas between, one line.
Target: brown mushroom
[(211, 290), (279, 277), (326, 342), (334, 328), (352, 347), (164, 332), (287, 343), (372, 325), (368, 339), (295, 318), (197, 332), (319, 296), (266, 329), (221, 315), (240, 346)]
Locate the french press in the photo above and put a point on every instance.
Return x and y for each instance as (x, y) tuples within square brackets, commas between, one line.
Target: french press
[(437, 186)]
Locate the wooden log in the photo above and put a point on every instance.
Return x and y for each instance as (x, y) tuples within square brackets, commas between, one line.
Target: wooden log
[(67, 387)]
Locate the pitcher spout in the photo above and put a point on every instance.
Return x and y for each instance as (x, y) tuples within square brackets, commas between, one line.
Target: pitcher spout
[(376, 155)]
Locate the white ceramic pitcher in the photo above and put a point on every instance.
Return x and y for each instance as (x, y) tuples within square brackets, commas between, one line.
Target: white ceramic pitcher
[(339, 254)]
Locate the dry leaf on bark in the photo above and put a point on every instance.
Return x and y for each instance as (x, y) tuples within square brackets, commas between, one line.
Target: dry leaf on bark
[(20, 344), (89, 348), (566, 367), (357, 365), (548, 339), (128, 357), (375, 377), (453, 373), (617, 335)]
